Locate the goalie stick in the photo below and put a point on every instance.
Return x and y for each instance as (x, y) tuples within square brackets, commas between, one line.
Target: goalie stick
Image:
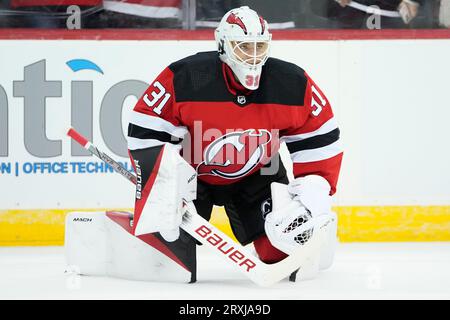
[(239, 256)]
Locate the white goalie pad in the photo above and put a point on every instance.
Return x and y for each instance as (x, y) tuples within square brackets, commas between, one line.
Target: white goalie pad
[(101, 244)]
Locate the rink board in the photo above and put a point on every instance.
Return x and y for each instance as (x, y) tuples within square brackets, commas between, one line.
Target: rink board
[(355, 224), (395, 178)]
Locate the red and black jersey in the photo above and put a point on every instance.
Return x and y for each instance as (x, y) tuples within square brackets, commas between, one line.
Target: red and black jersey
[(227, 132)]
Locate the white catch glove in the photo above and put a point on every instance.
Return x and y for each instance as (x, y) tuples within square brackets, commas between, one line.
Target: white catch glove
[(291, 225), (313, 192), (175, 182)]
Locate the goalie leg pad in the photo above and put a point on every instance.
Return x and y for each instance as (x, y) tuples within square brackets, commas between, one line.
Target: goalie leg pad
[(101, 243), (266, 251), (329, 247)]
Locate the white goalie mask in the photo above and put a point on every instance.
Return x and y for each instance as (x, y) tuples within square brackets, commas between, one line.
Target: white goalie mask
[(243, 41)]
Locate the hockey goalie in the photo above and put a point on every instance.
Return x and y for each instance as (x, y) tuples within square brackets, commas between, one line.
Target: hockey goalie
[(207, 133)]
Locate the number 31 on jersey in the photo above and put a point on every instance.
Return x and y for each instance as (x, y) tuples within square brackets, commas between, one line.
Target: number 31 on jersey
[(157, 94), (317, 105)]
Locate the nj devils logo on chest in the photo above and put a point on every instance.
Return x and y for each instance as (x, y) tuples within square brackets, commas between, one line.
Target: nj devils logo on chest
[(235, 154)]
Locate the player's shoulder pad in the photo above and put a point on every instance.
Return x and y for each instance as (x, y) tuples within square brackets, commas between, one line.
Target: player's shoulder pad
[(196, 77), (286, 79), (283, 68), (195, 61)]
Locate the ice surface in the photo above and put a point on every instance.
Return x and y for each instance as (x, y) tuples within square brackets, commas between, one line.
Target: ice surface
[(360, 271)]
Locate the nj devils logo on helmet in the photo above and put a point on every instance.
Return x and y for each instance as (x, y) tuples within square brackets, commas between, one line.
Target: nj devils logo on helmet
[(235, 154), (234, 19)]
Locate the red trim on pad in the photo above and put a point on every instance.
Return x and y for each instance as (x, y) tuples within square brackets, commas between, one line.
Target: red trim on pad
[(123, 219), (139, 206)]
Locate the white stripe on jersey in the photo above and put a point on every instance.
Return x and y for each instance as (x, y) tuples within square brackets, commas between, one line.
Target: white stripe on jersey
[(142, 10), (328, 126), (157, 124), (318, 154), (135, 143)]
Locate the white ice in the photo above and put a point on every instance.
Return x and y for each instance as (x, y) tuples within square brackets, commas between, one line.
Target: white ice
[(360, 271)]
